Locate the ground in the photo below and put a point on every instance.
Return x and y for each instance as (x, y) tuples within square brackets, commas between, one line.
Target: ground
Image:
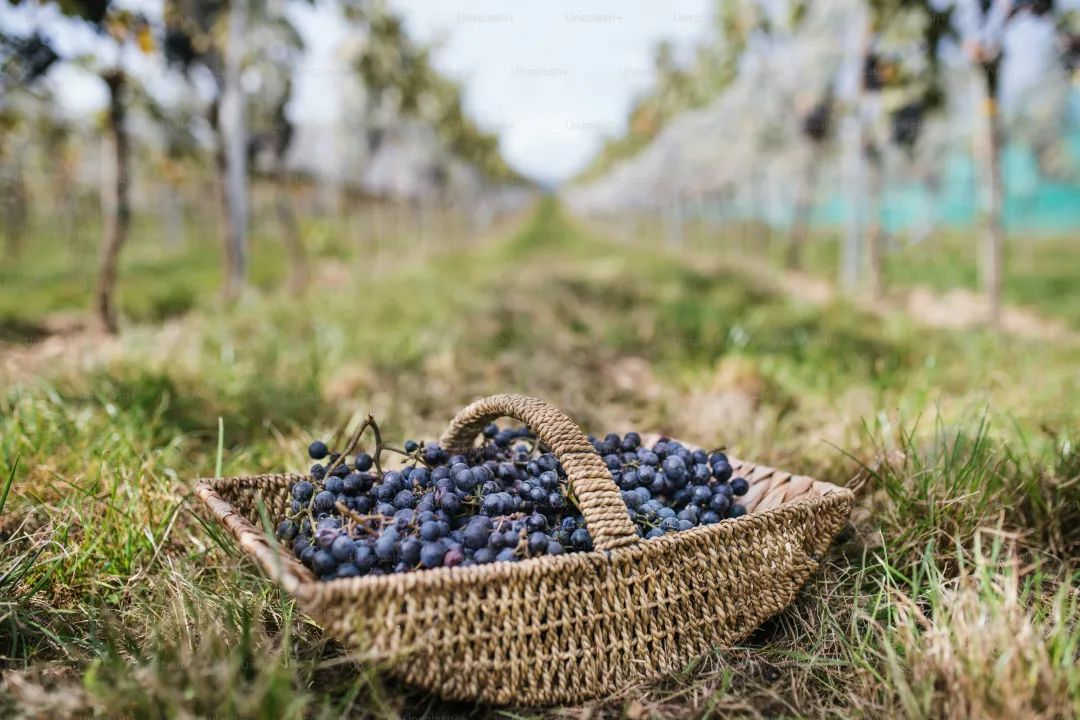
[(954, 592)]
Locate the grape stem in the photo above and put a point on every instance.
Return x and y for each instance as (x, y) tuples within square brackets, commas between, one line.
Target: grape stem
[(378, 445), (357, 519), (354, 440)]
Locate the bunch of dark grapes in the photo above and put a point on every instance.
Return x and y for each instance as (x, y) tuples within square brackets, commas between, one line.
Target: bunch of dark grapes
[(504, 501)]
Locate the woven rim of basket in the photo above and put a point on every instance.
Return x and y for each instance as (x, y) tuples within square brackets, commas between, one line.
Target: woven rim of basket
[(597, 494)]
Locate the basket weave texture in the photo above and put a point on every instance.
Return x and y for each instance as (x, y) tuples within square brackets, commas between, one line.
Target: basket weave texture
[(570, 627)]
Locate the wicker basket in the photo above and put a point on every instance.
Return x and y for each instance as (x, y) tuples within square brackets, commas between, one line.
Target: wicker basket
[(570, 627)]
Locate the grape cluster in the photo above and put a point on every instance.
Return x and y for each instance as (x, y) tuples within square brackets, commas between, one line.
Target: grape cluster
[(504, 501)]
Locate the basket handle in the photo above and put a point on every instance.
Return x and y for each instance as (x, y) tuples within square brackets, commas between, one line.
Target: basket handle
[(597, 495)]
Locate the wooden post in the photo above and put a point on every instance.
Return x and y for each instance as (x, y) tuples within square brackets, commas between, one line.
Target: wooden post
[(117, 205), (993, 249), (234, 134), (851, 141)]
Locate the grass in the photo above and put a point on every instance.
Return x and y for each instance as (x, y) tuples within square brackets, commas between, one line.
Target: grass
[(161, 279), (1039, 270), (953, 593)]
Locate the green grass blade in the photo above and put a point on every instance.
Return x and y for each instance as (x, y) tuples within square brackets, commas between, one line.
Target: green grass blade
[(220, 446), (8, 484)]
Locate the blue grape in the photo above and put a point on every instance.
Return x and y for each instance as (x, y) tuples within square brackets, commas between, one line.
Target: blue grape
[(450, 502), (501, 501), (386, 548), (347, 570), (430, 531), (431, 554), (364, 558), (538, 543), (409, 550), (722, 470), (324, 502), (334, 485), (476, 535), (453, 557), (719, 503), (323, 563), (420, 477), (318, 450), (343, 548), (303, 491), (353, 483), (580, 538), (701, 493), (405, 499)]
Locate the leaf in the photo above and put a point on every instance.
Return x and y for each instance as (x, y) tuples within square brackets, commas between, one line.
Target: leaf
[(145, 40)]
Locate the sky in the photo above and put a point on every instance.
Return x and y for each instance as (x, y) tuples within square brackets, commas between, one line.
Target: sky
[(553, 78)]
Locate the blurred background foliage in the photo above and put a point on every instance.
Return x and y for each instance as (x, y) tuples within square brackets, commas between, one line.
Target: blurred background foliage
[(838, 237)]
